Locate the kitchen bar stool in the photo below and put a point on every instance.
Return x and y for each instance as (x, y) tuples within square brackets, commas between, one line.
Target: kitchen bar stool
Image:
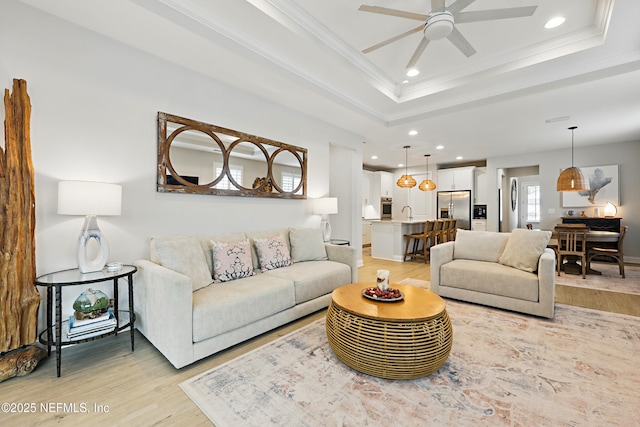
[(426, 238)]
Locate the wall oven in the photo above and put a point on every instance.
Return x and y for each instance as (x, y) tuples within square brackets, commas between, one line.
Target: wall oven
[(386, 207)]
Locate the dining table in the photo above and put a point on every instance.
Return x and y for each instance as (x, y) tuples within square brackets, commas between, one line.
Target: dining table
[(594, 238)]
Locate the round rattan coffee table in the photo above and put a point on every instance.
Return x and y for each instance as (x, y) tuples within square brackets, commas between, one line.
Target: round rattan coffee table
[(407, 339)]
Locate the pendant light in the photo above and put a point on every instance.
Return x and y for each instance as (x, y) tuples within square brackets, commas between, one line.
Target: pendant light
[(406, 180), (427, 184), (572, 179)]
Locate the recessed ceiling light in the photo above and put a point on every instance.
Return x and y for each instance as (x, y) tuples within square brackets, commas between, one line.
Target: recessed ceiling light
[(413, 132), (374, 157), (412, 72), (554, 22), (400, 165), (459, 158), (439, 147), (405, 82)]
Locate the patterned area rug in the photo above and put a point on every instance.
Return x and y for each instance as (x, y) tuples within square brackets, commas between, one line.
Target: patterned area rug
[(610, 280), (580, 369)]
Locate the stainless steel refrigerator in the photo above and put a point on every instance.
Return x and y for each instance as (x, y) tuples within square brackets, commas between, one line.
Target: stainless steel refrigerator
[(455, 204)]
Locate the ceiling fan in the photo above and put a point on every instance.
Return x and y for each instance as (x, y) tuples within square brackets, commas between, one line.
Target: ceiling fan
[(441, 22)]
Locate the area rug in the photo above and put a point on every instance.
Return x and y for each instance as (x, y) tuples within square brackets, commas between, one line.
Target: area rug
[(610, 280), (580, 369), (416, 282)]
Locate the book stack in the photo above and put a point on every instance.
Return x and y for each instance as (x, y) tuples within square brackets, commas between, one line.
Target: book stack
[(87, 328)]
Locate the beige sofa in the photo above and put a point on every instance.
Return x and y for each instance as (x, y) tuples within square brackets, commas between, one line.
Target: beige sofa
[(513, 271), (187, 317)]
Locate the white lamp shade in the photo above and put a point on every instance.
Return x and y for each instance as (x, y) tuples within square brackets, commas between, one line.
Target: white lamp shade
[(325, 206), (89, 198)]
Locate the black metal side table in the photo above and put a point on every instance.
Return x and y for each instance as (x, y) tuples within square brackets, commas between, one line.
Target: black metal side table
[(73, 277)]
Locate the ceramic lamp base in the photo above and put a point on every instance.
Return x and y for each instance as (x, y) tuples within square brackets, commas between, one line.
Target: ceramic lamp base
[(90, 231)]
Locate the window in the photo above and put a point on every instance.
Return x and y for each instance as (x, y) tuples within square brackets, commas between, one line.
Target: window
[(533, 203), (290, 181), (225, 184)]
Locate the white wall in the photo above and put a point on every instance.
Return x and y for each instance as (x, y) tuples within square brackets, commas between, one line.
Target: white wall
[(95, 105), (624, 154)]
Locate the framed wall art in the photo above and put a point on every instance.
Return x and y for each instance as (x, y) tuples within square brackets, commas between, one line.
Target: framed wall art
[(604, 186)]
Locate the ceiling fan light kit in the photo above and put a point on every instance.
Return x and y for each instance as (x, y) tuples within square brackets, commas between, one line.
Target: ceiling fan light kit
[(438, 26)]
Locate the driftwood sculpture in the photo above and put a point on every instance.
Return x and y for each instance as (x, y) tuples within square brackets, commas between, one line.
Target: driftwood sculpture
[(19, 298)]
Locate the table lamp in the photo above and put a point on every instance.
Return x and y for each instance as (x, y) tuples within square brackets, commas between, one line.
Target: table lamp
[(90, 199), (325, 206)]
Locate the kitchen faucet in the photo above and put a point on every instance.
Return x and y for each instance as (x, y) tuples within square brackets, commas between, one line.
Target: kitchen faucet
[(410, 211)]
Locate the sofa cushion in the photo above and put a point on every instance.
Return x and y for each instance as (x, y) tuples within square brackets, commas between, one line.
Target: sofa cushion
[(273, 252), (491, 278), (185, 256), (222, 307), (314, 278), (479, 245), (231, 260), (307, 245), (524, 248)]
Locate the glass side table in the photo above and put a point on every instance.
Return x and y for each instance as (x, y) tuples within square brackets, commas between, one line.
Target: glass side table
[(73, 277)]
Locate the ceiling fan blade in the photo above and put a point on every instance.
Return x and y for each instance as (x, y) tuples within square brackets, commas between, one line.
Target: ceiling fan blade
[(437, 6), (418, 52), (459, 5), (393, 39), (493, 14), (393, 12), (461, 43)]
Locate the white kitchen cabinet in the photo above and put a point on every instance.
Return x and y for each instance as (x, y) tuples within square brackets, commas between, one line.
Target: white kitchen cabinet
[(456, 179), (481, 186), (386, 184), (366, 233), (479, 225), (380, 184)]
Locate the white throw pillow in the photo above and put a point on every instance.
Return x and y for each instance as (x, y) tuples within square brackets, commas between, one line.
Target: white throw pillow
[(524, 249), (479, 245), (307, 245), (185, 256)]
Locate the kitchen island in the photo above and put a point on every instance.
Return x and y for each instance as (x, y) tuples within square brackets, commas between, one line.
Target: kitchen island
[(387, 237)]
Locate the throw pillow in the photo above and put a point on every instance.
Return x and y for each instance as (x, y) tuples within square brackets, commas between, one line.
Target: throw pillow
[(307, 245), (479, 245), (273, 252), (231, 260), (186, 257), (524, 249)]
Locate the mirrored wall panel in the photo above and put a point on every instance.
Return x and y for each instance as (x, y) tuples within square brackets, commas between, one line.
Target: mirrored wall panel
[(196, 157)]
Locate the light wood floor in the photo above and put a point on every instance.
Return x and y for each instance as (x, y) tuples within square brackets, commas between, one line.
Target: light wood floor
[(141, 388)]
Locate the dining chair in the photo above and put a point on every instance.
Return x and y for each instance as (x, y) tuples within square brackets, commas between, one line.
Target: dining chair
[(425, 238), (615, 253), (572, 242)]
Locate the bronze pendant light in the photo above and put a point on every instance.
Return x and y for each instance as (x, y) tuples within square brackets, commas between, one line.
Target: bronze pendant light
[(572, 179), (427, 184), (406, 180)]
